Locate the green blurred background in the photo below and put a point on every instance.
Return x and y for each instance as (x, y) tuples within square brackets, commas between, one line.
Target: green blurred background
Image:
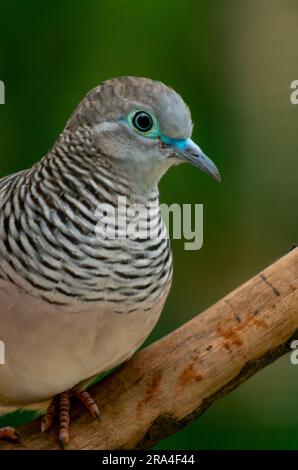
[(233, 62)]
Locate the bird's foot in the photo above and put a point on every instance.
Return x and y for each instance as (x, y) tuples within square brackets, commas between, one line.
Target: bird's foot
[(60, 406), (9, 434)]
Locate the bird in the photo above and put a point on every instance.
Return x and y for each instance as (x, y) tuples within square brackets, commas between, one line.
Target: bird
[(74, 304)]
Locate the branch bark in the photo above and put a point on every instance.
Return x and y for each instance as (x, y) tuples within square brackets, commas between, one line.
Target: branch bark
[(170, 383)]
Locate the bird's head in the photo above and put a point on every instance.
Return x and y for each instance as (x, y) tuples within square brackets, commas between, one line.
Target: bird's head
[(142, 125)]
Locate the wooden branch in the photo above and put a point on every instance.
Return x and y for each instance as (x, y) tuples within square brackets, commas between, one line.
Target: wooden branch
[(170, 383)]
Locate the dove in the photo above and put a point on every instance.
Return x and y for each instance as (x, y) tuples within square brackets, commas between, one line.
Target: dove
[(73, 302)]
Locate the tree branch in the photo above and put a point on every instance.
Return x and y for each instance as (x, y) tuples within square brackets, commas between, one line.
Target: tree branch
[(170, 383)]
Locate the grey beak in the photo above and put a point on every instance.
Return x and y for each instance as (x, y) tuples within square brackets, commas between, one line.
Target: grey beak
[(189, 151)]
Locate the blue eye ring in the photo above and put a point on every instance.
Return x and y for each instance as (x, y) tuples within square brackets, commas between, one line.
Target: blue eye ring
[(142, 121), (148, 128)]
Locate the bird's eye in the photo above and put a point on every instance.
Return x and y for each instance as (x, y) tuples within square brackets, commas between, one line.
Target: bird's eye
[(142, 121)]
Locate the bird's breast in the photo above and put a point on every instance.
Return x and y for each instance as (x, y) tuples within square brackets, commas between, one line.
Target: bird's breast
[(61, 254)]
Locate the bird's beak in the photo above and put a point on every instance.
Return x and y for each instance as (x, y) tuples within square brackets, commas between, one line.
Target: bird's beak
[(187, 150)]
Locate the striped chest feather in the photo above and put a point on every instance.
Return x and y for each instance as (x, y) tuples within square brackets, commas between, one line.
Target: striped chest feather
[(53, 244)]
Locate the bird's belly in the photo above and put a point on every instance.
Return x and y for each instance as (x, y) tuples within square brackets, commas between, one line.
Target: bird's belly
[(49, 350)]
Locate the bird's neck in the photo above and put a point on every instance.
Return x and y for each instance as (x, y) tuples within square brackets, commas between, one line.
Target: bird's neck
[(73, 163)]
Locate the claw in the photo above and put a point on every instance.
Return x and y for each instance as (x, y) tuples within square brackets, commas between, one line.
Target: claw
[(60, 406), (86, 399), (10, 434), (49, 417), (64, 418)]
